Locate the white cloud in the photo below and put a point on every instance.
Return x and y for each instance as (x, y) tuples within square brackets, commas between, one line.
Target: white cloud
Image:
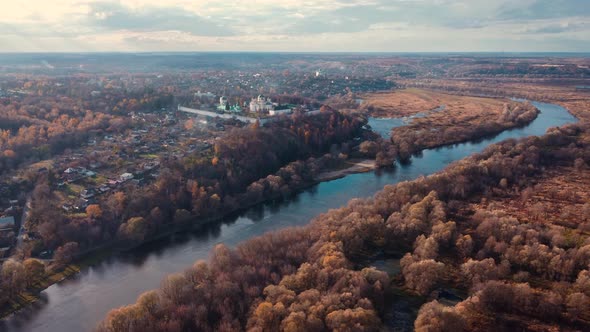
[(295, 25)]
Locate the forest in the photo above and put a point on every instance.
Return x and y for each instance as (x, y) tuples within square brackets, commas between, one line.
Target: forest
[(439, 129), (248, 166), (313, 278)]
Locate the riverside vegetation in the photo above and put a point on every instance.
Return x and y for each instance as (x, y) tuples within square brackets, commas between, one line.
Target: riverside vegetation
[(516, 273)]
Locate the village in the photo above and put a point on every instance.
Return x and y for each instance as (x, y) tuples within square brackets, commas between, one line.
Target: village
[(118, 162), (106, 164)]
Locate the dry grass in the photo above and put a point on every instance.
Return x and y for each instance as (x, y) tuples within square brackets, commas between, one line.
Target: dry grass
[(408, 102), (563, 92)]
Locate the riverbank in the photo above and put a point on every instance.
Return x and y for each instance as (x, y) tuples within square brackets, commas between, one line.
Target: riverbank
[(32, 295), (94, 255), (353, 167), (86, 259), (327, 246), (119, 280), (456, 124)]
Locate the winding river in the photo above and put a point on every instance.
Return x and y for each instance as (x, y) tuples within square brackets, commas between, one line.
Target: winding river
[(78, 304)]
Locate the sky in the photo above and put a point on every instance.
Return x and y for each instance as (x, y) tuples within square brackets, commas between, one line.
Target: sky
[(295, 25)]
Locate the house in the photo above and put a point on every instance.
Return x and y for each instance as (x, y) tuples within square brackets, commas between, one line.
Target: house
[(87, 193), (90, 173), (6, 223), (126, 177), (138, 182), (70, 170), (81, 205)]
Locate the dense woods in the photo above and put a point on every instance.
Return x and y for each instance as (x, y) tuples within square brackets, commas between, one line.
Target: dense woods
[(454, 232), (312, 278), (247, 166), (441, 129), (35, 134)]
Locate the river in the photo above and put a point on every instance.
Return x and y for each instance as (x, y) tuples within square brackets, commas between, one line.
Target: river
[(78, 304)]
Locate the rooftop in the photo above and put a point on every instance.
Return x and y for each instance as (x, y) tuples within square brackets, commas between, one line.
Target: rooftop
[(6, 222)]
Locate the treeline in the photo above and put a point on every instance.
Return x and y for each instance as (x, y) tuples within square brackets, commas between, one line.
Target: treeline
[(306, 279), (427, 134), (32, 133), (245, 167)]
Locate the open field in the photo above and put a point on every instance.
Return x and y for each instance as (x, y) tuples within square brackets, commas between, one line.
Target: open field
[(456, 119), (566, 93), (407, 102)]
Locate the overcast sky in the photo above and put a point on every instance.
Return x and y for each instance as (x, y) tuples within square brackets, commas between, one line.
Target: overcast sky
[(295, 25)]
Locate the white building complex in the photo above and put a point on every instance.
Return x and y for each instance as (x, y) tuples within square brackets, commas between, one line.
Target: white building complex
[(261, 105)]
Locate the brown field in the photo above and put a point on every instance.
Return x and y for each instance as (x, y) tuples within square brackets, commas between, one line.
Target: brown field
[(408, 102), (564, 93), (463, 118)]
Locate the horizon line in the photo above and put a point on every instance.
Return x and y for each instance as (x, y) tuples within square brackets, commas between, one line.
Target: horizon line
[(298, 52)]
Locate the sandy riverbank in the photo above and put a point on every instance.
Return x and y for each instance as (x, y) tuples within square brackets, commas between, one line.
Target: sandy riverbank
[(354, 166)]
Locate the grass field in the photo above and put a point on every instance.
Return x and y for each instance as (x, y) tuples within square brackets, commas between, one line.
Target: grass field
[(408, 102)]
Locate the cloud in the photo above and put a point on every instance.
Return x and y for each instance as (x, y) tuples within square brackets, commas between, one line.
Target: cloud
[(295, 25), (558, 28), (114, 16), (544, 9)]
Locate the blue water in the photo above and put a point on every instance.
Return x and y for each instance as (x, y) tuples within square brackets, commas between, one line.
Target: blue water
[(383, 126), (80, 303)]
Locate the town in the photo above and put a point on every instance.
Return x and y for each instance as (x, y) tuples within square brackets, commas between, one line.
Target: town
[(129, 126)]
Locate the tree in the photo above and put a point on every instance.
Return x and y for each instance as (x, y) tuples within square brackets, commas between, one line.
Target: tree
[(464, 245), (116, 203), (421, 275), (182, 216), (135, 229), (476, 272), (358, 319), (578, 306), (13, 276), (175, 287), (189, 124), (34, 270), (580, 164), (94, 211), (369, 148), (65, 254), (435, 317)]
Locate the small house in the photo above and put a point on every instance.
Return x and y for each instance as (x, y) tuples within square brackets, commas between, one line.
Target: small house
[(70, 170), (87, 193), (126, 177), (7, 223)]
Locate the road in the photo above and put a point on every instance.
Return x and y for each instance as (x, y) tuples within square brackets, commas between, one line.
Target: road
[(23, 219)]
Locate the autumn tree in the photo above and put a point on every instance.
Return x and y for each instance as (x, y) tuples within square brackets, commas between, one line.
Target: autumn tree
[(94, 211), (435, 317), (34, 270)]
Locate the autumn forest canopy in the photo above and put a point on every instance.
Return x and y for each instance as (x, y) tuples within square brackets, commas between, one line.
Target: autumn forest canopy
[(104, 156)]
